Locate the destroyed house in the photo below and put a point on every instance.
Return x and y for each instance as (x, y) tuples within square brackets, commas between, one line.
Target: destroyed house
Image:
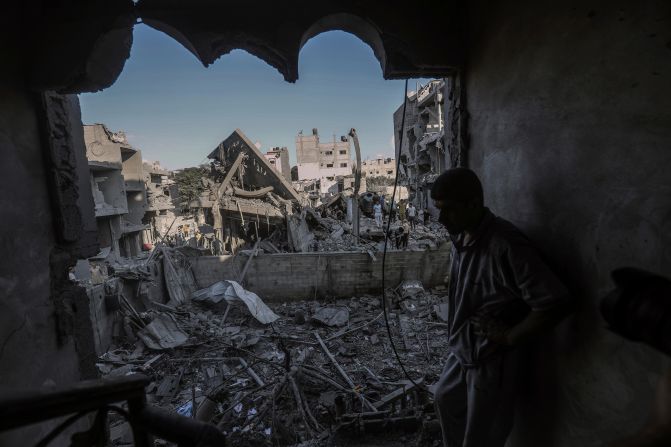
[(255, 169), (246, 197)]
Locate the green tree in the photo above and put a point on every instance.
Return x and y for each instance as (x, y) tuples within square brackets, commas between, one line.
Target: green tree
[(189, 184)]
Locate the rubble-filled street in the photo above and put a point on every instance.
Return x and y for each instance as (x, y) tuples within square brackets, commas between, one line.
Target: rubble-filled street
[(304, 372)]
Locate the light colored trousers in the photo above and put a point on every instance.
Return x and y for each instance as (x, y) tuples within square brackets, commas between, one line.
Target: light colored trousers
[(378, 220), (476, 405)]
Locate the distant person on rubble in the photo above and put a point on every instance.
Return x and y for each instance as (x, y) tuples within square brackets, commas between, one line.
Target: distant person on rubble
[(377, 212), (406, 235), (501, 294), (401, 238), (393, 208), (402, 204), (412, 215)]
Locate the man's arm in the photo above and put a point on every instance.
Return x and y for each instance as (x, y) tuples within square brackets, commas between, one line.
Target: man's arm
[(536, 322), (540, 289)]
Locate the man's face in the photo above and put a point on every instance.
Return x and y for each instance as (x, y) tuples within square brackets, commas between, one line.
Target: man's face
[(454, 215)]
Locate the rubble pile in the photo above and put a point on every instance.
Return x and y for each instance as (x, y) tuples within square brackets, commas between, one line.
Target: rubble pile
[(428, 236), (305, 372)]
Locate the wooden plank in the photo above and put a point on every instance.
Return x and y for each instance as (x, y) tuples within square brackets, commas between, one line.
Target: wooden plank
[(342, 372), (397, 394)]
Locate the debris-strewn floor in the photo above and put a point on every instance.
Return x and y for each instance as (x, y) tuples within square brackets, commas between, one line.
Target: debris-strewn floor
[(321, 374)]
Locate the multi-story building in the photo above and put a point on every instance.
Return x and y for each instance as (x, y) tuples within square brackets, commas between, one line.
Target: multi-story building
[(278, 157), (422, 154), (323, 161), (379, 167), (160, 211), (127, 192)]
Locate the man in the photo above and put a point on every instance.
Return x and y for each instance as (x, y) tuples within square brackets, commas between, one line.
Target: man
[(401, 238), (406, 235), (412, 214), (500, 294), (401, 209), (377, 212), (393, 207)]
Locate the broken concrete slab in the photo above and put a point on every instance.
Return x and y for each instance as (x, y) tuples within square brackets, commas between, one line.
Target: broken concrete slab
[(332, 316), (162, 333)]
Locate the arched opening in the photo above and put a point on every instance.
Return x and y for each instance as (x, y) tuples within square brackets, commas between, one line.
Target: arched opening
[(353, 24)]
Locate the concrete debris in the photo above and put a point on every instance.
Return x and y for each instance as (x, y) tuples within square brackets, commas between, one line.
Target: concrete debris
[(332, 316), (297, 381), (300, 373), (441, 311), (178, 276), (410, 288), (162, 333)]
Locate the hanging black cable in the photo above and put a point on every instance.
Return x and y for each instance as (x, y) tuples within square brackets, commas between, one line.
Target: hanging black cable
[(386, 237)]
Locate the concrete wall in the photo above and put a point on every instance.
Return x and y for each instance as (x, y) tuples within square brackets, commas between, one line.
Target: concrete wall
[(137, 205), (32, 354), (570, 131), (101, 314), (295, 276), (132, 166), (99, 147)]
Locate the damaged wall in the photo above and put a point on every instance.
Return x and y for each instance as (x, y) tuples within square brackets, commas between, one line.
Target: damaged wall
[(570, 123), (33, 350), (296, 276)]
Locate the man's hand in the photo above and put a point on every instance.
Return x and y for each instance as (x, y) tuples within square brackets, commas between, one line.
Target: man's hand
[(492, 329)]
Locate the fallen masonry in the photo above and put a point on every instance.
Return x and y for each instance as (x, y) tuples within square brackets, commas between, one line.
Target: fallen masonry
[(302, 372), (261, 314)]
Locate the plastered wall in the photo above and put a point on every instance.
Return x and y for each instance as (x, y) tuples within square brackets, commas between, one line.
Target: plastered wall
[(570, 130)]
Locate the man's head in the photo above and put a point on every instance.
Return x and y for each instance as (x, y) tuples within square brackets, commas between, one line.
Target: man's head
[(458, 194)]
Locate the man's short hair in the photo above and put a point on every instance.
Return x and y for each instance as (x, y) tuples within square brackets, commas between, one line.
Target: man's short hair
[(459, 184)]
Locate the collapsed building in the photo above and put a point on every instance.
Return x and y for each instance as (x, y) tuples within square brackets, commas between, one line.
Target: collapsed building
[(247, 202), (132, 198), (423, 155), (245, 198)]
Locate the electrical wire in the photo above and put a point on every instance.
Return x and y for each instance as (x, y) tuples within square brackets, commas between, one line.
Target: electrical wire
[(386, 239)]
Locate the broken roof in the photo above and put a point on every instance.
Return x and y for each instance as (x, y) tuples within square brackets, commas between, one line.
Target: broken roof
[(258, 171)]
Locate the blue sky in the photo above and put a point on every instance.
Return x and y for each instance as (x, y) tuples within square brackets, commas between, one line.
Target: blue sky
[(176, 111)]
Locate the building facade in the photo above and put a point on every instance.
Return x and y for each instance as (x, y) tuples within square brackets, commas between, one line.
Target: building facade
[(278, 157), (323, 161), (379, 167)]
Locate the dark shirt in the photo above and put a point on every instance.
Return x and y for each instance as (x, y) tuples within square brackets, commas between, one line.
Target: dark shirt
[(496, 273)]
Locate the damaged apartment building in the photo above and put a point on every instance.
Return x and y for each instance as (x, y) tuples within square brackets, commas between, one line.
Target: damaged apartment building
[(423, 155), (323, 167), (132, 198), (562, 109)]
